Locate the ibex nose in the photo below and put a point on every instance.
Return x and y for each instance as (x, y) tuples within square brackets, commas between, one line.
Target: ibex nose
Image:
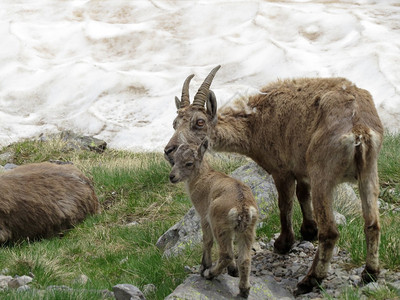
[(172, 178)]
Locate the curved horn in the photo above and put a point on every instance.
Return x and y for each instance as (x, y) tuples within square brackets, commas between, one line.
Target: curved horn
[(185, 101), (202, 93)]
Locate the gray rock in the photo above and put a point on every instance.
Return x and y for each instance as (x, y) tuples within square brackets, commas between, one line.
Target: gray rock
[(149, 288), (339, 218), (17, 282), (127, 292), (59, 288), (261, 184), (81, 279), (9, 166), (75, 141), (7, 156), (185, 233), (4, 280), (225, 287), (23, 288)]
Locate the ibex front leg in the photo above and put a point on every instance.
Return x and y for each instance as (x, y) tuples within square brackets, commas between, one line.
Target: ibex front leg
[(285, 186), (309, 229)]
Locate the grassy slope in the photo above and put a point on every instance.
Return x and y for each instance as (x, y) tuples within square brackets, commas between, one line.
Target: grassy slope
[(135, 188)]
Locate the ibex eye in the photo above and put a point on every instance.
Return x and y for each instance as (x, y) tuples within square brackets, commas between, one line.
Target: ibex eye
[(200, 122), (189, 164)]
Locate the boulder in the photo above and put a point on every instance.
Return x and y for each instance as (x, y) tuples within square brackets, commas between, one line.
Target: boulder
[(225, 287)]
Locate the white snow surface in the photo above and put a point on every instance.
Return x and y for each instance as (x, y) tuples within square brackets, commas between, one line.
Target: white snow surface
[(111, 68)]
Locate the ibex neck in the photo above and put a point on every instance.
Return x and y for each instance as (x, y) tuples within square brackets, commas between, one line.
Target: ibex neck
[(199, 174), (231, 134)]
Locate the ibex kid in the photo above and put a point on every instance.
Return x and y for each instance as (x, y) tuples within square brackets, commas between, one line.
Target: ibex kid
[(227, 210)]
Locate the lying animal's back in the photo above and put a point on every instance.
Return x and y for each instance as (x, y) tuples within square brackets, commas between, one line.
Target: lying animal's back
[(37, 200)]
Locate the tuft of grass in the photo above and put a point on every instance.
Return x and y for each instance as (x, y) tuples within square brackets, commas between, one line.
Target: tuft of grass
[(389, 168)]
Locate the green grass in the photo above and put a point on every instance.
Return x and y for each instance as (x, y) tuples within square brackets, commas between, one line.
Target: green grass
[(134, 187)]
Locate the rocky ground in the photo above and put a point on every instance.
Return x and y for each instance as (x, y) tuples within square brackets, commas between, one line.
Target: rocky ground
[(289, 269), (285, 271)]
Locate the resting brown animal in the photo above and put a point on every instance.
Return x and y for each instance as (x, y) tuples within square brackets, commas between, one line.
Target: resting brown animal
[(310, 134), (227, 210), (40, 200)]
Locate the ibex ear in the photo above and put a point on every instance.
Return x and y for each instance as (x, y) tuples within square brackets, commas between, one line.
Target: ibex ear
[(212, 105), (203, 148), (177, 102)]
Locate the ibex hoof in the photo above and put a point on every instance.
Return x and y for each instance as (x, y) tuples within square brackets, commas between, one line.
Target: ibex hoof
[(309, 231), (233, 271), (208, 275), (368, 276), (244, 293), (307, 285), (282, 245)]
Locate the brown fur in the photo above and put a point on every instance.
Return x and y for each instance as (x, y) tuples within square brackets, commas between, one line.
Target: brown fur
[(310, 134), (40, 200), (227, 209)]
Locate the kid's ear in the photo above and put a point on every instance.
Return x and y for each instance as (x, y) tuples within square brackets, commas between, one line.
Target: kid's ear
[(203, 148), (212, 105)]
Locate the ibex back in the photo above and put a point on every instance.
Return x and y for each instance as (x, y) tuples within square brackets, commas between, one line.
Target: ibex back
[(41, 200), (310, 134), (227, 209)]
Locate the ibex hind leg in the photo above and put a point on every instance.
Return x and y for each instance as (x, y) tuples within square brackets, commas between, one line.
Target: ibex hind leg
[(327, 236), (226, 255), (245, 242), (369, 189)]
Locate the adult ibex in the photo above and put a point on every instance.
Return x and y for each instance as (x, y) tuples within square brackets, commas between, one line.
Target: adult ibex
[(227, 210), (40, 200), (310, 134)]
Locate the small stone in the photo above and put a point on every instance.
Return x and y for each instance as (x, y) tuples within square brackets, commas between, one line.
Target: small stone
[(280, 271), (19, 281), (306, 245), (59, 288), (23, 288), (134, 223), (7, 156), (372, 286), (262, 245), (127, 292), (82, 279), (339, 218), (355, 278), (124, 260), (9, 166), (4, 271), (149, 288), (4, 280)]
